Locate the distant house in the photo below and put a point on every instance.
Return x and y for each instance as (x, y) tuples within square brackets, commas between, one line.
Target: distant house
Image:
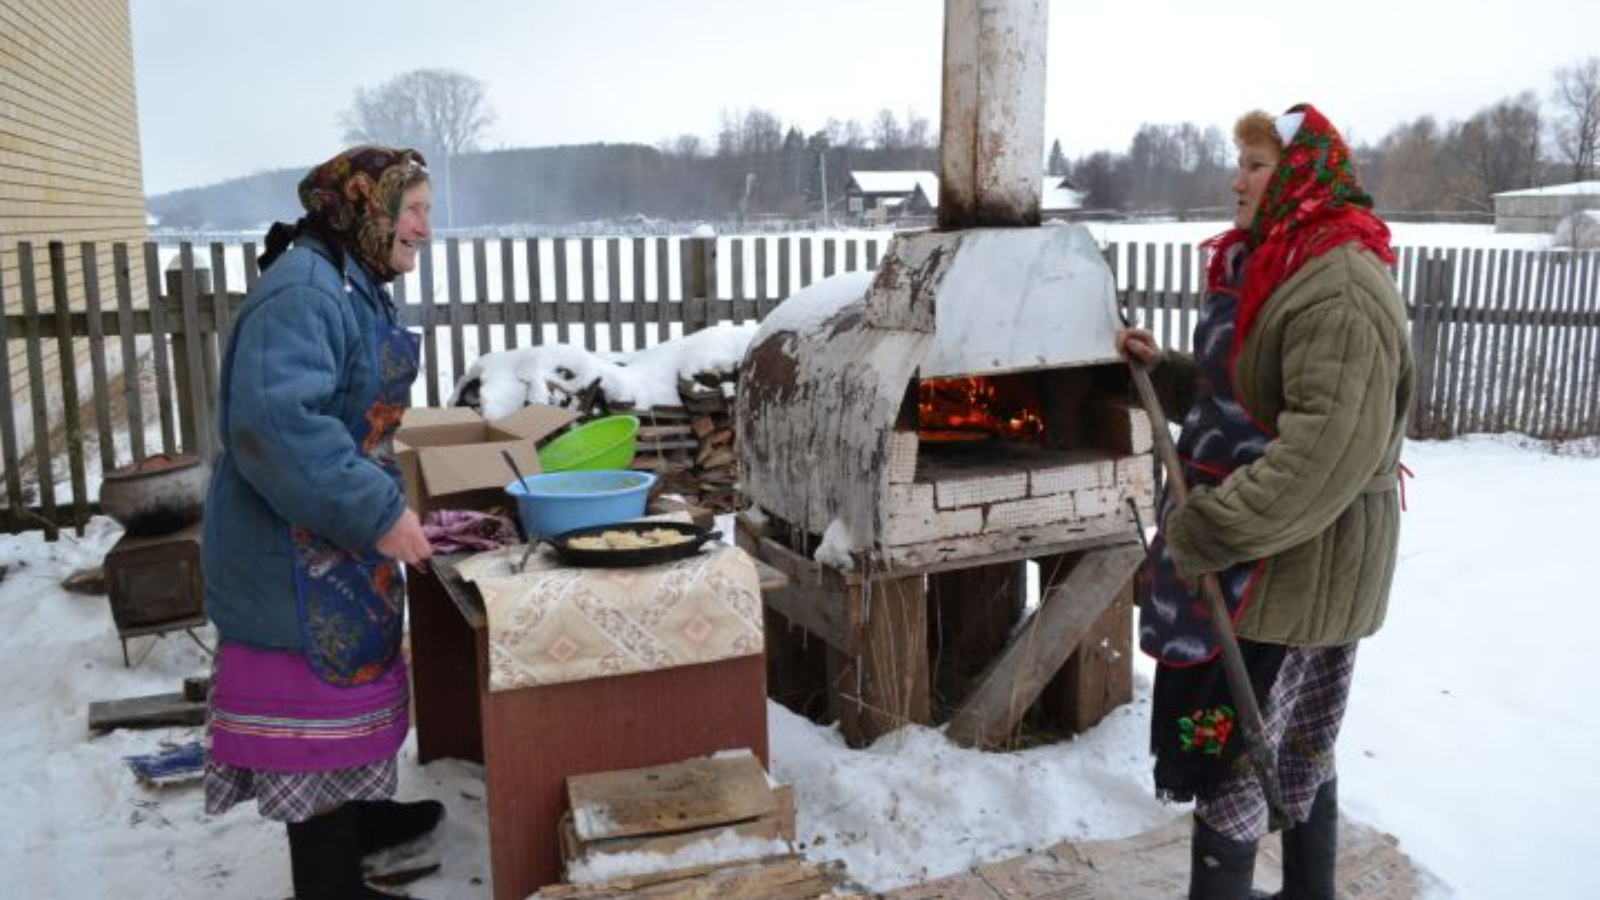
[(1057, 197), (882, 196), (1060, 196), (1539, 210)]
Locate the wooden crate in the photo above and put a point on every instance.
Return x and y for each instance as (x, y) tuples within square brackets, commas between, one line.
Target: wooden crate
[(723, 809)]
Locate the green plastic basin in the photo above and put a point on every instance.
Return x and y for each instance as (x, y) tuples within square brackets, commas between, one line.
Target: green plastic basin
[(603, 444)]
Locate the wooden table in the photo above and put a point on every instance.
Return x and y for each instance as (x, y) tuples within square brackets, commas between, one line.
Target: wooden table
[(531, 739)]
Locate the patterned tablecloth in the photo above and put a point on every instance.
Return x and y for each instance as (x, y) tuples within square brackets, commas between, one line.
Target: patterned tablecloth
[(555, 623)]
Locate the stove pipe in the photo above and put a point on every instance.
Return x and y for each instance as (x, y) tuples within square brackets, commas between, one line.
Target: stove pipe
[(991, 127)]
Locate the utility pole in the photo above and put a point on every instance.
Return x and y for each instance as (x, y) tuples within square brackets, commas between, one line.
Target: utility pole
[(744, 202), (822, 163)]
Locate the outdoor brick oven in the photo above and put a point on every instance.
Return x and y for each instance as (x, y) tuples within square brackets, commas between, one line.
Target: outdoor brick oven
[(910, 437)]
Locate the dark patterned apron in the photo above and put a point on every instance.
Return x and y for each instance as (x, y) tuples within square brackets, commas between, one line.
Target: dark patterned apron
[(351, 604), (1218, 436)]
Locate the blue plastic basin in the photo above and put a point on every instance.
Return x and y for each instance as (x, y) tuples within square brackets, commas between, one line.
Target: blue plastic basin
[(561, 501)]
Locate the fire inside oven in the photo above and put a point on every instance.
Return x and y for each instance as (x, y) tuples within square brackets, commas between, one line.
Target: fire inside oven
[(978, 408)]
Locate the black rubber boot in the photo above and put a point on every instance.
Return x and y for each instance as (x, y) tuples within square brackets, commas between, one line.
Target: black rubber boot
[(1311, 847), (325, 859), (382, 824), (1219, 868)]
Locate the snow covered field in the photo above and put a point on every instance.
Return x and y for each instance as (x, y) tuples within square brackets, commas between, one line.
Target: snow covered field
[(1467, 738)]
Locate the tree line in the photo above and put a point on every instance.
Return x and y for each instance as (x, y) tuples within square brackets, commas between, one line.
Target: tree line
[(758, 165)]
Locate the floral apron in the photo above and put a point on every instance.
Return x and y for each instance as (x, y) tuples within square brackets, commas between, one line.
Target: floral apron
[(1218, 436), (351, 604)]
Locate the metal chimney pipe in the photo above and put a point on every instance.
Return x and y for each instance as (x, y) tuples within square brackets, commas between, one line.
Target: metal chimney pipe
[(991, 127)]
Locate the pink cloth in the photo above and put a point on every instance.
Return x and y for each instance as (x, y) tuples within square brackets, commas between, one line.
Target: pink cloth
[(270, 712), (456, 530)]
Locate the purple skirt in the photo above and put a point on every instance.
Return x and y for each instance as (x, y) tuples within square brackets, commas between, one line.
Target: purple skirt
[(271, 713)]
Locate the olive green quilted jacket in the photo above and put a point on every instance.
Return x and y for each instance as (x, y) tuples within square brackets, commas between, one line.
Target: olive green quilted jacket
[(1327, 366)]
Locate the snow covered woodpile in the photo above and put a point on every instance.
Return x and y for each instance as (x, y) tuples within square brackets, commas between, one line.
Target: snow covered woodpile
[(683, 392)]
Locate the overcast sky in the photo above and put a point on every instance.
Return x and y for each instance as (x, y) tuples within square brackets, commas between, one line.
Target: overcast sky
[(228, 88)]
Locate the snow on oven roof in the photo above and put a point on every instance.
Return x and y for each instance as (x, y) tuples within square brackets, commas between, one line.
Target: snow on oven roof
[(896, 182), (1556, 190)]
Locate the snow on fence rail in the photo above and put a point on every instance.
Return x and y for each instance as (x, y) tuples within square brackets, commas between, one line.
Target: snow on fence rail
[(1505, 340)]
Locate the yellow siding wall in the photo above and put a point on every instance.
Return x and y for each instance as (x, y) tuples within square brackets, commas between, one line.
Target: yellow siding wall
[(69, 149)]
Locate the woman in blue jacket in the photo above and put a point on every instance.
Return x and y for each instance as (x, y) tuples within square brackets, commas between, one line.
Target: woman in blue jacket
[(306, 527)]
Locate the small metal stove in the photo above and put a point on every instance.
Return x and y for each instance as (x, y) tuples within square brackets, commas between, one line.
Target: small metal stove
[(156, 585)]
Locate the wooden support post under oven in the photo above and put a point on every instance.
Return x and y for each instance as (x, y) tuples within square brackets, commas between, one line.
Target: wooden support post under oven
[(856, 650)]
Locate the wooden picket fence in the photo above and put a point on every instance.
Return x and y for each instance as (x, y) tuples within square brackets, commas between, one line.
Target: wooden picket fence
[(1504, 340)]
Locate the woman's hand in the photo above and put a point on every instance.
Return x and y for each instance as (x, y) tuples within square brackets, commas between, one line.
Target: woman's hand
[(1138, 344), (405, 541)]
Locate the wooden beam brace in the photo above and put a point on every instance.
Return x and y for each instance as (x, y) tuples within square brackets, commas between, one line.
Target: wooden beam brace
[(1039, 649)]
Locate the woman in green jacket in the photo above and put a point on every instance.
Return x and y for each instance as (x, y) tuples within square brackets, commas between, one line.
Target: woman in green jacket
[(1294, 407)]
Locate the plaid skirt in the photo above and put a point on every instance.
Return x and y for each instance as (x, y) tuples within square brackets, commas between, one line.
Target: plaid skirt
[(1302, 715), (297, 796)]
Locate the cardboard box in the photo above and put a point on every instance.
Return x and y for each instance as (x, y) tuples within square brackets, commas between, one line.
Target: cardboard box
[(453, 459)]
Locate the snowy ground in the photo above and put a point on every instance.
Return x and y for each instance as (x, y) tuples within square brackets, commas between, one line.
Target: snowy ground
[(1466, 737)]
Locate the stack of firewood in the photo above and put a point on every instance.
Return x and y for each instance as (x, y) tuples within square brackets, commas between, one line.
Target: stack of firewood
[(691, 447)]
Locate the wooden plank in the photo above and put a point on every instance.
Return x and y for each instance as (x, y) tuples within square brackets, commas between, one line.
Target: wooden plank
[(1188, 298), (454, 303), (1553, 385), (1473, 381), (614, 309), (736, 289), (805, 260), (252, 269), (1453, 336), (216, 343), (563, 299), (165, 393), (34, 345), (1571, 359), (512, 312), (852, 251), (430, 325), (830, 257), (132, 373), (192, 409), (480, 299), (695, 793), (88, 256), (1422, 343), (764, 294), (1042, 645), (575, 851), (536, 306), (663, 291), (872, 254), (1495, 358), (886, 685), (640, 308), (67, 360), (9, 451), (153, 711), (1542, 306), (785, 270), (1591, 295), (589, 308), (1511, 353), (1098, 676)]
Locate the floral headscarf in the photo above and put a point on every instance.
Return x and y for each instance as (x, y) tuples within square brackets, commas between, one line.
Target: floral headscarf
[(356, 195), (1313, 204)]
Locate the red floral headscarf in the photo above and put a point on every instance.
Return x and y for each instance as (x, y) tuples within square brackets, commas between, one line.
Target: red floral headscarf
[(1313, 204), (357, 196)]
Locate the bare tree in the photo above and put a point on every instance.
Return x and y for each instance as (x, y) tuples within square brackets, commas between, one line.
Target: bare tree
[(887, 134), (442, 112), (1577, 96)]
